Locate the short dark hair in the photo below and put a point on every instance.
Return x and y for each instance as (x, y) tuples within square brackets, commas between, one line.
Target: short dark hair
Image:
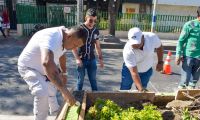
[(80, 33), (91, 12), (198, 11)]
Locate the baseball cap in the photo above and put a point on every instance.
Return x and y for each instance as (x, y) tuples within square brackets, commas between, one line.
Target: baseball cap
[(134, 36)]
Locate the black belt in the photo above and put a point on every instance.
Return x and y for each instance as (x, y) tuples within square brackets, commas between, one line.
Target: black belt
[(47, 79)]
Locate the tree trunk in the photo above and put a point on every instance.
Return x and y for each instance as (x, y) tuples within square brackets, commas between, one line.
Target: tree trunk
[(113, 8)]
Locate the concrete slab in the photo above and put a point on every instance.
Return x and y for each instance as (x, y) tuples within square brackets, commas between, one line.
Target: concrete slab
[(167, 44)]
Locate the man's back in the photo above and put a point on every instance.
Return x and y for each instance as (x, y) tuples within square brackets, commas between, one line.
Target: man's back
[(143, 58), (50, 38)]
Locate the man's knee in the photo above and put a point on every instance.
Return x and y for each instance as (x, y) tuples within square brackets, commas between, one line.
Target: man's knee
[(39, 91)]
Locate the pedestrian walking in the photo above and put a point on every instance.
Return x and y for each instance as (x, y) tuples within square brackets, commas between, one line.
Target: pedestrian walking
[(188, 53)]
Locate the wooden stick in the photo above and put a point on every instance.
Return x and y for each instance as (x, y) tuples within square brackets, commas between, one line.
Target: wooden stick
[(62, 114), (83, 108)]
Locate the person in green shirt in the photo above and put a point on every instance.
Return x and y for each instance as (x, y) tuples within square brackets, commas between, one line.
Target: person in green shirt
[(188, 52)]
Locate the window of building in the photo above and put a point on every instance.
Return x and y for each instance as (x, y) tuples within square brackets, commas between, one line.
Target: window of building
[(130, 10), (142, 8)]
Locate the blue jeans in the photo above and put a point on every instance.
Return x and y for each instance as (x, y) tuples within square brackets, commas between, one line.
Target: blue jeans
[(190, 72), (127, 80), (91, 67)]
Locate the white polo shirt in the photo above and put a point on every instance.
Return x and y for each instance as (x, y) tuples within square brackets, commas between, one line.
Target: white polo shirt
[(50, 38), (143, 59)]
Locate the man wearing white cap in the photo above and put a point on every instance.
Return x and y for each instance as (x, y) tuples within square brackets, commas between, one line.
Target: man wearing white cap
[(138, 55)]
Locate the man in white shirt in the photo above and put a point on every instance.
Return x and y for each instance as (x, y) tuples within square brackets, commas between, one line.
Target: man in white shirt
[(38, 62), (138, 55)]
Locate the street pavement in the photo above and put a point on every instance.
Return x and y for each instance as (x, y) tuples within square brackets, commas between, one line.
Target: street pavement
[(16, 98)]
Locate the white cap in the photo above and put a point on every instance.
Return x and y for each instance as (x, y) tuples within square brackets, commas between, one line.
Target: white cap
[(134, 36)]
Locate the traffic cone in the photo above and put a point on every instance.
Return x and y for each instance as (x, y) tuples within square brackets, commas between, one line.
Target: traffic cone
[(167, 67)]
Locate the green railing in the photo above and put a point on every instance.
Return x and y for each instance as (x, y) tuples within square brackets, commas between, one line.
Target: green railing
[(164, 23), (31, 14), (53, 15)]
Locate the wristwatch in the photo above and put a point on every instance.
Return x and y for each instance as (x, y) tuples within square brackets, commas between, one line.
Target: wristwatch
[(65, 73), (160, 62)]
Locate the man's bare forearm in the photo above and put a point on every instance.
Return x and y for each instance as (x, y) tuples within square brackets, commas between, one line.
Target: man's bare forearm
[(160, 53), (53, 75), (136, 78), (75, 53), (98, 50), (137, 81), (62, 61), (50, 68), (52, 72)]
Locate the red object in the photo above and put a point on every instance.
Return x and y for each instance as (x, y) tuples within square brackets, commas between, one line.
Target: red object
[(169, 53), (167, 67), (5, 17)]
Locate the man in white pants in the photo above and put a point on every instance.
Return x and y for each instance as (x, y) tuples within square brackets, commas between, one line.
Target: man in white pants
[(38, 62)]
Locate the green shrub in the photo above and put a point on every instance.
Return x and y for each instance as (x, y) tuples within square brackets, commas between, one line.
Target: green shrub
[(108, 110)]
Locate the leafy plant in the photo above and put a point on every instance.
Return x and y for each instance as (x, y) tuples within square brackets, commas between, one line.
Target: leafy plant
[(103, 110), (187, 116), (108, 110)]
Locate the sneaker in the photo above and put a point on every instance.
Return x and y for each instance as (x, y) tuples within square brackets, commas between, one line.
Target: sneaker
[(190, 87), (181, 87)]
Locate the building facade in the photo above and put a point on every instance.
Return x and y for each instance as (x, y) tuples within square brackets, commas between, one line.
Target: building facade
[(177, 7), (137, 6)]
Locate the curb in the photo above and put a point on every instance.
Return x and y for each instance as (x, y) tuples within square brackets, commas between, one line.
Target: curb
[(105, 45)]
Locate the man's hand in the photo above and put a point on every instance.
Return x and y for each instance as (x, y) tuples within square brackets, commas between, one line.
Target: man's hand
[(143, 90), (159, 66), (178, 60), (79, 62), (101, 63)]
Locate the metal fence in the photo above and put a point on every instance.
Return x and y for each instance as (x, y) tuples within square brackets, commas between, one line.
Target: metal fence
[(164, 23), (59, 14), (48, 16)]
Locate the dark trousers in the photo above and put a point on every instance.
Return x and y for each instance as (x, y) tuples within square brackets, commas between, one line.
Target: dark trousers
[(91, 67), (2, 32), (190, 72)]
